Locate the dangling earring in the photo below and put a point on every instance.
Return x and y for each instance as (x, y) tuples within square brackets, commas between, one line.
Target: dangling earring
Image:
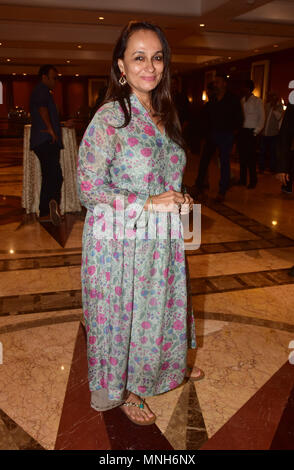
[(122, 81)]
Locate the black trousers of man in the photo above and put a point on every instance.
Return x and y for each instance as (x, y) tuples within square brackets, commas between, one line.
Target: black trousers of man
[(247, 155), (49, 155)]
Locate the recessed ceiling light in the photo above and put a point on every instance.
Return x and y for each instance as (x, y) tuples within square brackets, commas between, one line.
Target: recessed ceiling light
[(229, 58), (79, 46), (60, 75), (0, 43), (24, 73), (202, 25), (101, 18), (8, 60), (13, 73), (77, 75), (68, 61)]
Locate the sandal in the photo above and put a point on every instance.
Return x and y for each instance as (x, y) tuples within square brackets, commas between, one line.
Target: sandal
[(141, 406), (198, 377)]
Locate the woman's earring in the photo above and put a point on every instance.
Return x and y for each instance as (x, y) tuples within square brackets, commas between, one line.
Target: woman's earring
[(122, 81)]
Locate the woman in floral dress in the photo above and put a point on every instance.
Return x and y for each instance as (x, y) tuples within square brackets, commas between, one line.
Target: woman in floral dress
[(130, 168)]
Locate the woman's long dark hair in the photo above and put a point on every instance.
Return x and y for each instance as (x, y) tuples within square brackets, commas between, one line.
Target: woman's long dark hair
[(160, 97)]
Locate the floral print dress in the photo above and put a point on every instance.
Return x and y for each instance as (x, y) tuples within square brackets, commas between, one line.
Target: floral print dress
[(134, 288)]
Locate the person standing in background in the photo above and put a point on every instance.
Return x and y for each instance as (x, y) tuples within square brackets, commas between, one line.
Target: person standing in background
[(181, 102), (285, 153), (203, 125), (273, 115), (224, 118), (253, 124), (46, 142), (285, 160)]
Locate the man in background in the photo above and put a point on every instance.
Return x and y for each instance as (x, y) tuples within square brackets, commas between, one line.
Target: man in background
[(253, 124), (223, 118), (46, 142), (273, 115), (181, 102)]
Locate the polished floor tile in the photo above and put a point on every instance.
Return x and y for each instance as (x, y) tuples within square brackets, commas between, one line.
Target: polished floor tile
[(34, 375), (242, 298)]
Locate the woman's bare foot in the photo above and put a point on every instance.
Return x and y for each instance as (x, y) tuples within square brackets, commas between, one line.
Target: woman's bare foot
[(195, 373), (137, 414)]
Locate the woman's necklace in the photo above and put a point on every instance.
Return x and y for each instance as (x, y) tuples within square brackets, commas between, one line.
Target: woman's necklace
[(148, 108)]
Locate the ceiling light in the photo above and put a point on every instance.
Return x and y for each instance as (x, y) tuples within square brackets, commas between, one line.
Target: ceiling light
[(229, 58), (24, 73), (101, 18), (11, 252), (79, 46), (77, 75), (68, 61), (274, 222), (202, 25), (228, 76), (276, 45), (0, 43), (14, 73), (60, 75), (8, 60)]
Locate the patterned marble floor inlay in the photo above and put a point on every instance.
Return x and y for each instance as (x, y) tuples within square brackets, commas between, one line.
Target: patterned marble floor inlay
[(251, 225), (284, 436), (39, 262), (13, 437), (242, 296), (61, 233), (34, 376), (50, 301), (186, 428), (264, 422), (81, 427), (242, 281)]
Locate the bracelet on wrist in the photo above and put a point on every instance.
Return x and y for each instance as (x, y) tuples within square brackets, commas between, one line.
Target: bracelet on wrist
[(151, 204)]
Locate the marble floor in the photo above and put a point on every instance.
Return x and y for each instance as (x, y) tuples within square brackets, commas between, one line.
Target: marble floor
[(243, 299)]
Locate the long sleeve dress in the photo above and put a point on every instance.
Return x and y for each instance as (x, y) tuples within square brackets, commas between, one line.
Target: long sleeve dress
[(134, 289)]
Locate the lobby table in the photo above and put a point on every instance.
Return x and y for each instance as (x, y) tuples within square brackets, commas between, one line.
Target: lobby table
[(32, 174)]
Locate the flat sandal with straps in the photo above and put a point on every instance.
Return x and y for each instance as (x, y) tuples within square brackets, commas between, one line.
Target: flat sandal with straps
[(141, 406)]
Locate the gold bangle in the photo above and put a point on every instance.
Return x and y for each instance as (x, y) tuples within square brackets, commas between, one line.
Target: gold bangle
[(148, 205), (151, 203)]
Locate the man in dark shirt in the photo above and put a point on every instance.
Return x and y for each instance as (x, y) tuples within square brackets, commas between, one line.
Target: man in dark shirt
[(224, 117), (46, 142)]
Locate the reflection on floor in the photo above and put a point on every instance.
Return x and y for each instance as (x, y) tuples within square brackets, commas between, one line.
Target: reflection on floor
[(242, 296)]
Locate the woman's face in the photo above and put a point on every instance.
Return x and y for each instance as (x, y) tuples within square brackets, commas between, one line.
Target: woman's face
[(143, 61)]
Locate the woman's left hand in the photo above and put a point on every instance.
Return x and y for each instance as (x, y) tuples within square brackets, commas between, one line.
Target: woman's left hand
[(187, 205)]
